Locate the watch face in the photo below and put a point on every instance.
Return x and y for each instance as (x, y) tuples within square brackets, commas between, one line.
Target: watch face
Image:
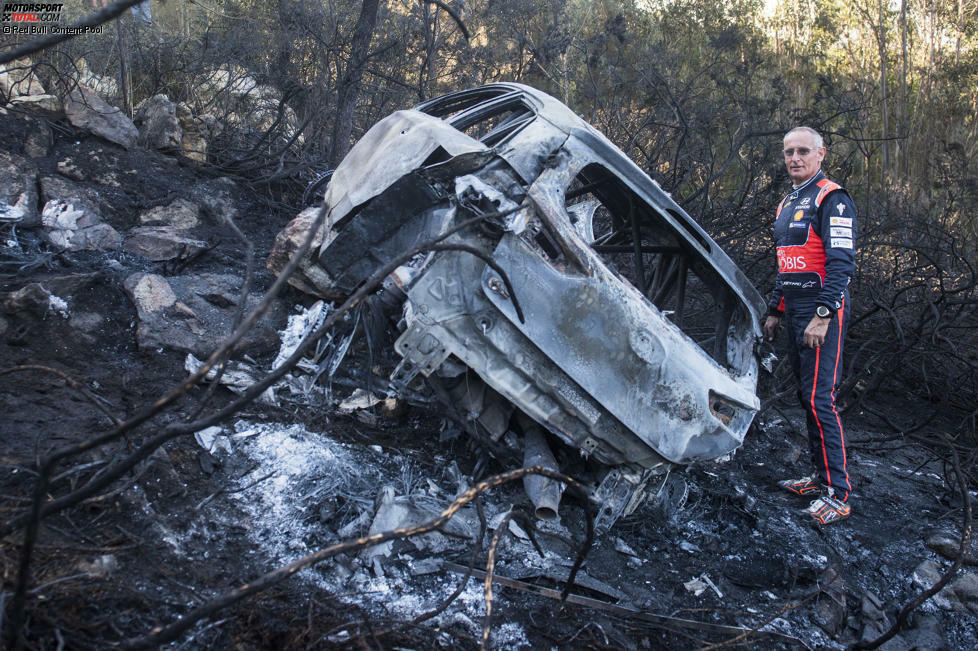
[(822, 311)]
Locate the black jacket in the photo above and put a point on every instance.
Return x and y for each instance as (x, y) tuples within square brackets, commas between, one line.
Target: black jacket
[(815, 233)]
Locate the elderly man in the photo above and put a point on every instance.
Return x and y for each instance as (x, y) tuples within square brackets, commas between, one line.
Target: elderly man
[(815, 232)]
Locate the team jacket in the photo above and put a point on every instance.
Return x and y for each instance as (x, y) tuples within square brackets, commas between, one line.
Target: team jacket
[(815, 233)]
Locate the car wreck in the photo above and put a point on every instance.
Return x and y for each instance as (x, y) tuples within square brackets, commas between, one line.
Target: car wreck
[(611, 338)]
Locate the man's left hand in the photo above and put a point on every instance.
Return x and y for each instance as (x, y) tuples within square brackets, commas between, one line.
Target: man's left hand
[(816, 331)]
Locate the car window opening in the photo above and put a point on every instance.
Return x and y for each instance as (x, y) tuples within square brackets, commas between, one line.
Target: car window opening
[(642, 247)]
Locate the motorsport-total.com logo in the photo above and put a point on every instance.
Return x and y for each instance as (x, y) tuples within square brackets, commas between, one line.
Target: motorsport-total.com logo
[(38, 18)]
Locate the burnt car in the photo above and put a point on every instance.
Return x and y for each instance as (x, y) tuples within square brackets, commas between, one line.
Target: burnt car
[(618, 335)]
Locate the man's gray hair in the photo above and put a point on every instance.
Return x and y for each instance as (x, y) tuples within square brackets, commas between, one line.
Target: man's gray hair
[(810, 131)]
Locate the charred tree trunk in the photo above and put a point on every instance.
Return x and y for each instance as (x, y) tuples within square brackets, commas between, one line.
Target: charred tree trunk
[(348, 91)]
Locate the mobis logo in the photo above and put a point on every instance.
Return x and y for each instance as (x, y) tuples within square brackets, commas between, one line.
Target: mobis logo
[(31, 12)]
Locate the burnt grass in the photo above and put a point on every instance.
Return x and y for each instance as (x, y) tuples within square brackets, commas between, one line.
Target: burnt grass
[(113, 567)]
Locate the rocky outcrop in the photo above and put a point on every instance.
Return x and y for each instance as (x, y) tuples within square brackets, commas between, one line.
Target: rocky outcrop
[(18, 190), (193, 313), (88, 111), (158, 125)]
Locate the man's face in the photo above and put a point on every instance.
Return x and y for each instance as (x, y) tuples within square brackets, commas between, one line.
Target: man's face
[(801, 157)]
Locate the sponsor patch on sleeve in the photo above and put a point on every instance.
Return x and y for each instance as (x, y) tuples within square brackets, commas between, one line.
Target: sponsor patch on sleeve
[(840, 243), (840, 221), (838, 231)]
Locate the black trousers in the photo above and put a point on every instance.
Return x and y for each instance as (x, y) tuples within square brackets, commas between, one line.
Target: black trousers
[(817, 371)]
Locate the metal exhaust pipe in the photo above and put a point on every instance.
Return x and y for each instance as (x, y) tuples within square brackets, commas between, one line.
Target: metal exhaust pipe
[(543, 492)]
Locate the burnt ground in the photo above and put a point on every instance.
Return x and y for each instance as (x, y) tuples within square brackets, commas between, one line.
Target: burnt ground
[(285, 480)]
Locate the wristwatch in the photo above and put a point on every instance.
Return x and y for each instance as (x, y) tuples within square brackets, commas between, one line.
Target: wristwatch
[(823, 312)]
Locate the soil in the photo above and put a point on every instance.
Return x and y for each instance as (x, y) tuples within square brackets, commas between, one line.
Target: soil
[(286, 480)]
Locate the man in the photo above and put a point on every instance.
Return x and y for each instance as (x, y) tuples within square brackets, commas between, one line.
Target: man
[(815, 232)]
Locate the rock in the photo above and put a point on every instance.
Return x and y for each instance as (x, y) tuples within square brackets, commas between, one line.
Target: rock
[(875, 622), (197, 132), (59, 188), (158, 125), (17, 79), (928, 635), (925, 576), (18, 190), (160, 243), (309, 277), (872, 607), (216, 199), (71, 226), (947, 545), (830, 609), (179, 214), (35, 300), (193, 314), (71, 217), (150, 292), (86, 110), (965, 588), (45, 106)]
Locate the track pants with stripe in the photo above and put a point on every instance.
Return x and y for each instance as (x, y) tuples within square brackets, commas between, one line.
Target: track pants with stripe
[(818, 371)]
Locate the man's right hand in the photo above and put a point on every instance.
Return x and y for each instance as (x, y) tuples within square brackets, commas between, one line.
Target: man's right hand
[(770, 328)]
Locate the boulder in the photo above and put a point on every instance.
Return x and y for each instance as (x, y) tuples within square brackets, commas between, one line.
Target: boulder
[(948, 546), (45, 106), (193, 314), (17, 78), (309, 277), (88, 111), (73, 228), (161, 243), (158, 125), (18, 190), (179, 214), (71, 217)]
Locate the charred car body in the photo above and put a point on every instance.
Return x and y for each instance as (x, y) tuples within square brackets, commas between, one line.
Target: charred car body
[(629, 335)]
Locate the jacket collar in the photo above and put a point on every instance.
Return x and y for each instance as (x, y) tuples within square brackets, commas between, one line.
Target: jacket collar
[(796, 190)]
